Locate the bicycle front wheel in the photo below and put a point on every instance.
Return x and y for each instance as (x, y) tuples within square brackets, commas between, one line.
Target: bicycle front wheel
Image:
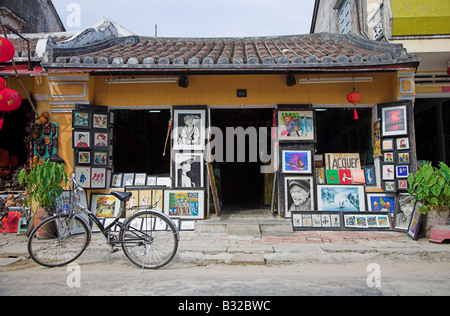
[(58, 240), (149, 239)]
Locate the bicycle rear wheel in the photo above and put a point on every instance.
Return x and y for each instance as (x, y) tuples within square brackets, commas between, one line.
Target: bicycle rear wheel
[(58, 240), (149, 239)]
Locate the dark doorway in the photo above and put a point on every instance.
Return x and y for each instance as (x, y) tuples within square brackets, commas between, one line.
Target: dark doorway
[(242, 183)]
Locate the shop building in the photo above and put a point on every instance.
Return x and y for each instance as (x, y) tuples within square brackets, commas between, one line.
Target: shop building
[(147, 114)]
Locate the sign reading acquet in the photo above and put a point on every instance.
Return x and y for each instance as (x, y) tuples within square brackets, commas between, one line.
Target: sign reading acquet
[(342, 161)]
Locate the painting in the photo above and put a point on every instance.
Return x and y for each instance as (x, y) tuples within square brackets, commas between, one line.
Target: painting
[(299, 194), (99, 158), (189, 130), (98, 178), (366, 221), (369, 172), (402, 143), (376, 138), (387, 144), (83, 157), (403, 158), (105, 205), (81, 139), (413, 229), (394, 120), (81, 119), (332, 176), (345, 176), (358, 176), (402, 171), (403, 212), (297, 161), (128, 179), (116, 180), (316, 220), (184, 204), (296, 125), (83, 176), (100, 140), (188, 170), (381, 202), (100, 121), (140, 178), (388, 172), (341, 198)]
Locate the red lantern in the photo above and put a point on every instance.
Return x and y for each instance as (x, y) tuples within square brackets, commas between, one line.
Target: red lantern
[(354, 97), (10, 100), (2, 84), (8, 50)]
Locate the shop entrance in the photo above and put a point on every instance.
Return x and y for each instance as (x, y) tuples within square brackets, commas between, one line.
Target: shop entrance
[(242, 185)]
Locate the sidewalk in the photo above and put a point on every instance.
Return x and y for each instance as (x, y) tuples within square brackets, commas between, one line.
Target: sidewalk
[(270, 247)]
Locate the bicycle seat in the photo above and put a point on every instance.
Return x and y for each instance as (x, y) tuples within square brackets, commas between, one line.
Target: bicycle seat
[(123, 196)]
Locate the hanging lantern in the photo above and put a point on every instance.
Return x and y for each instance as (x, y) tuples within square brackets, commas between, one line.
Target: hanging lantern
[(2, 84), (354, 97), (10, 100), (7, 50)]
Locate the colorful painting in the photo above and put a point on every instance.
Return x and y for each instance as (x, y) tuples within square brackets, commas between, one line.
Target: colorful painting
[(104, 205), (382, 203), (394, 121), (297, 161), (296, 125), (332, 176), (81, 119), (184, 203)]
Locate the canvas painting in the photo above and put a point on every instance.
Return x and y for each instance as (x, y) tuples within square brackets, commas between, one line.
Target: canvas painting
[(297, 161), (332, 176), (104, 205), (81, 139), (83, 176), (296, 125), (298, 194), (184, 203), (189, 130), (394, 121), (381, 202), (81, 119), (98, 178), (189, 171), (100, 121), (340, 198), (404, 212)]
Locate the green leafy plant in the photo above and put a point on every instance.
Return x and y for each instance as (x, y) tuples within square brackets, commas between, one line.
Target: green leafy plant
[(41, 180), (431, 186)]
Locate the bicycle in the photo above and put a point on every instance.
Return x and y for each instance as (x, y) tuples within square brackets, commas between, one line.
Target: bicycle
[(149, 239)]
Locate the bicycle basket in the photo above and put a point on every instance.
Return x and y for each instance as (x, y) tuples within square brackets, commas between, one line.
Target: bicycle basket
[(64, 201)]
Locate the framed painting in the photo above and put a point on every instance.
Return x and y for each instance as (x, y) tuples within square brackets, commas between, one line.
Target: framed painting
[(358, 176), (105, 205), (332, 176), (413, 228), (140, 179), (297, 161), (367, 221), (394, 120), (100, 139), (388, 172), (316, 220), (341, 198), (381, 202), (187, 225), (402, 171), (184, 204), (298, 194), (98, 178), (100, 120), (403, 212), (128, 179), (81, 139), (99, 158), (369, 173), (390, 186), (81, 119), (387, 144), (83, 157), (189, 129), (116, 180), (296, 125), (403, 158), (83, 176), (188, 170), (402, 143)]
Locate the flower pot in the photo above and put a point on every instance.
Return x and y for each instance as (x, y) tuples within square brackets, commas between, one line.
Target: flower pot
[(48, 230), (436, 217)]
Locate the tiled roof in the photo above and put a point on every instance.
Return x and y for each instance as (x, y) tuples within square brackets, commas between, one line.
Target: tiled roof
[(107, 48), (317, 51)]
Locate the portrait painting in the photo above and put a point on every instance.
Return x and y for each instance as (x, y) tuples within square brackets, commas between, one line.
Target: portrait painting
[(299, 194), (189, 130), (189, 170)]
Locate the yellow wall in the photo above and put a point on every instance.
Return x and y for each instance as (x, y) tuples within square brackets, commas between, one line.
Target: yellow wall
[(262, 90)]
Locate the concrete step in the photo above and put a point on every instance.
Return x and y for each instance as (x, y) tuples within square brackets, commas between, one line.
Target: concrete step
[(253, 227)]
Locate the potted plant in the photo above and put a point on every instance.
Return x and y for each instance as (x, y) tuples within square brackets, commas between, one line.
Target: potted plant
[(39, 182), (431, 186)]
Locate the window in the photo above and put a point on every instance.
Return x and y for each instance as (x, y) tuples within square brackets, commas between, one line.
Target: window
[(344, 18)]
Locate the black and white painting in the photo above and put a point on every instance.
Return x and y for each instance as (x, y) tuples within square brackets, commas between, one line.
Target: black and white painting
[(298, 194), (189, 170), (403, 212), (189, 130)]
